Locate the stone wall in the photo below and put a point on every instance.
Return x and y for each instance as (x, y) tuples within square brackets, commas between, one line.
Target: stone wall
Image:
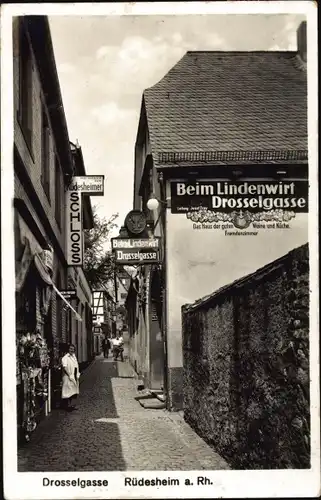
[(246, 366)]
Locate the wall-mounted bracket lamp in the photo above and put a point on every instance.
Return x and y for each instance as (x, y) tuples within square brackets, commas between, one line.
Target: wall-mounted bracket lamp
[(153, 203)]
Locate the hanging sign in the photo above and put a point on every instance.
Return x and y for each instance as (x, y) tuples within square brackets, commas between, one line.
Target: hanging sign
[(132, 251), (69, 294), (154, 314), (135, 222), (88, 184), (135, 243), (138, 257)]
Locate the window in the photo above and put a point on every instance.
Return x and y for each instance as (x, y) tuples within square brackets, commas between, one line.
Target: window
[(147, 187), (79, 332), (45, 153), (69, 325), (58, 204), (25, 86)]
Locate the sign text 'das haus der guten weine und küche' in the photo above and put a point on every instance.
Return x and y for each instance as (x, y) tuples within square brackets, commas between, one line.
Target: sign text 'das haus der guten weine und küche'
[(239, 202), (80, 185), (136, 251)]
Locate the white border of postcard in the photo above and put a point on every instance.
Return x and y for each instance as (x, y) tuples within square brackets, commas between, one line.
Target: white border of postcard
[(226, 484)]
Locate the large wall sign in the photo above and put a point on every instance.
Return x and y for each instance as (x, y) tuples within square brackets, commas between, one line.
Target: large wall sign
[(88, 184), (92, 185), (264, 204), (132, 251)]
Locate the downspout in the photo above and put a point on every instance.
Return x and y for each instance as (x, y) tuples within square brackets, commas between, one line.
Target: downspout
[(164, 289), (115, 285)]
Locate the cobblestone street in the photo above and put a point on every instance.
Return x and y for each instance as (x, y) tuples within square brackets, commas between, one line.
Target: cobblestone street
[(112, 431)]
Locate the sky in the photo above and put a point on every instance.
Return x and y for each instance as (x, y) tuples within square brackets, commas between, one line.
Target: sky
[(104, 64)]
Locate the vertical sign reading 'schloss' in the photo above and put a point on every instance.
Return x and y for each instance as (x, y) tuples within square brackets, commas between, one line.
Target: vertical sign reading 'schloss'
[(74, 228), (92, 185)]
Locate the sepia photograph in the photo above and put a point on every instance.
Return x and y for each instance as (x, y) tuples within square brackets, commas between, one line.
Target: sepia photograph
[(158, 250)]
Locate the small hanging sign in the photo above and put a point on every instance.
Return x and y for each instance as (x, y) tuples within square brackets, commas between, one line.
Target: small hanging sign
[(69, 294)]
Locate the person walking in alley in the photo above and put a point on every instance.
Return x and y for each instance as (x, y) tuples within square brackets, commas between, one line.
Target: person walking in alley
[(118, 348), (70, 378), (106, 346)]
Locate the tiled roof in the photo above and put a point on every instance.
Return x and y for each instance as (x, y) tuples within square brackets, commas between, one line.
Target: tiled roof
[(230, 102)]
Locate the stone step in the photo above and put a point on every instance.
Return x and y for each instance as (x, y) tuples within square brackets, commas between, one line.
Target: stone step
[(152, 404), (159, 395)]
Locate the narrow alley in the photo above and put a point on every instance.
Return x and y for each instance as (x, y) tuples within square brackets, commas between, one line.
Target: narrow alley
[(111, 431), (160, 271)]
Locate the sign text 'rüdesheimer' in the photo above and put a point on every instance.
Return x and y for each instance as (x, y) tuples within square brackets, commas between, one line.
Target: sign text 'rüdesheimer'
[(136, 251), (88, 184)]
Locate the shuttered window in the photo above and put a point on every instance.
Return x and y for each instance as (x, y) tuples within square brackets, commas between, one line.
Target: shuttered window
[(58, 193), (45, 153), (25, 117)]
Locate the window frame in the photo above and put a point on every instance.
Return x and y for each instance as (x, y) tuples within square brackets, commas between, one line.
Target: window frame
[(25, 85), (59, 308), (58, 192), (45, 151), (147, 189)]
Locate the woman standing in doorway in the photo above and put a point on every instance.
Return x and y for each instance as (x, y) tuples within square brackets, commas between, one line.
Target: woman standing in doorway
[(70, 378)]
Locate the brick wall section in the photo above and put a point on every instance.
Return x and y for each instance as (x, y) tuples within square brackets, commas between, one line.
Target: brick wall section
[(32, 158), (246, 366)]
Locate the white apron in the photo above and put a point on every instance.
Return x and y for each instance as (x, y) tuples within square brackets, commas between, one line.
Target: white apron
[(70, 386)]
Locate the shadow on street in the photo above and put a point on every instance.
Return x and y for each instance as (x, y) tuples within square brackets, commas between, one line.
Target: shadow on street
[(78, 441)]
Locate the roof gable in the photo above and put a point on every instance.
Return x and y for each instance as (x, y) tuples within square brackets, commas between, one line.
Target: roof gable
[(229, 101)]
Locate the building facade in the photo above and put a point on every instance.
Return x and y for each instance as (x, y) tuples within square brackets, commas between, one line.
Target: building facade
[(216, 119), (104, 317), (43, 167), (80, 332)]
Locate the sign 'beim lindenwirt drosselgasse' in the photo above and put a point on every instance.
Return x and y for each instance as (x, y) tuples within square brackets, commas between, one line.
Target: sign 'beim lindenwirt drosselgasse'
[(238, 204)]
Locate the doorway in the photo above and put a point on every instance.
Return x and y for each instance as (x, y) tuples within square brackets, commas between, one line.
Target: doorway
[(156, 340), (47, 329)]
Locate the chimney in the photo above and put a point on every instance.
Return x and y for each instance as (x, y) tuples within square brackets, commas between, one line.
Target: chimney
[(302, 41)]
